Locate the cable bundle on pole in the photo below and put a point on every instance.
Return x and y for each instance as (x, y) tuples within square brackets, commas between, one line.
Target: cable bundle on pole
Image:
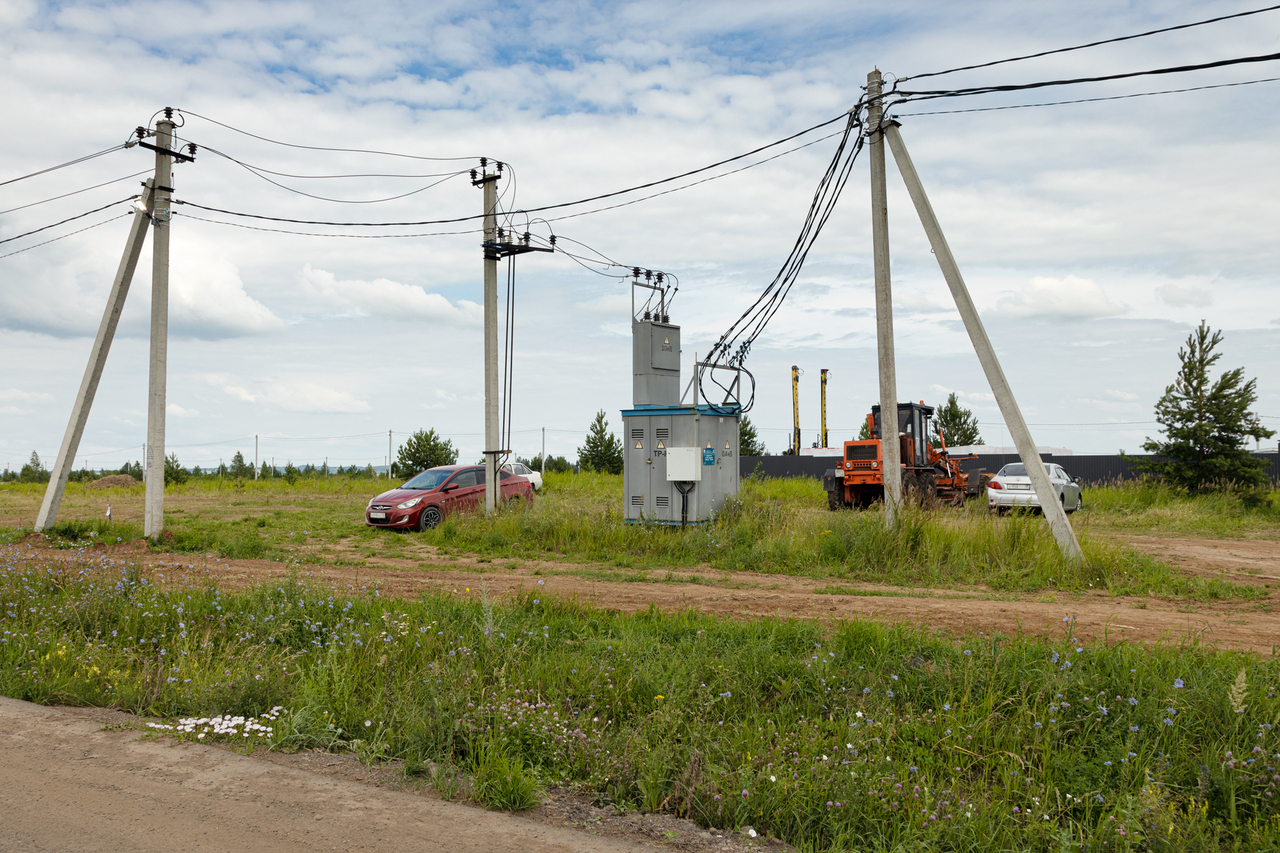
[(731, 350)]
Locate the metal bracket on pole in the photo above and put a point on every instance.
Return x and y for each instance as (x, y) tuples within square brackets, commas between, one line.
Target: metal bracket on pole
[(48, 514), (1053, 511)]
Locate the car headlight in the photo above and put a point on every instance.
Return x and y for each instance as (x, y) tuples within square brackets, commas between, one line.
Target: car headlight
[(409, 504)]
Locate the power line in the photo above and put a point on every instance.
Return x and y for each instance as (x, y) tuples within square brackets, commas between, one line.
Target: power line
[(254, 171), (1092, 100), (68, 219), (318, 147), (75, 192), (62, 165), (324, 234), (65, 236), (558, 206), (1016, 87), (1093, 43)]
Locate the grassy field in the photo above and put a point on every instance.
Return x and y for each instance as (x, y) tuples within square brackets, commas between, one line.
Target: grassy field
[(853, 737), (777, 526)]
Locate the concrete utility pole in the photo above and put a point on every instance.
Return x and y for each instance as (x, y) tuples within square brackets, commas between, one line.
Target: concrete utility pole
[(97, 360), (153, 515), (255, 457), (492, 437), (884, 306), (388, 454), (1045, 493), (543, 464)]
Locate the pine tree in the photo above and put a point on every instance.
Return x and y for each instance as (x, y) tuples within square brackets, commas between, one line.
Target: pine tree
[(602, 451), (424, 449), (749, 443), (864, 434), (174, 473), (1206, 424), (240, 468), (959, 425), (34, 471)]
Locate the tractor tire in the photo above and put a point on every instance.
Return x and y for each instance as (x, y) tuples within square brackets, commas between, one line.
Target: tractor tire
[(833, 501), (928, 485), (910, 488)]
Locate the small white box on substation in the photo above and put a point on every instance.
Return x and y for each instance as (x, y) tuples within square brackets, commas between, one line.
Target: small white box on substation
[(680, 460)]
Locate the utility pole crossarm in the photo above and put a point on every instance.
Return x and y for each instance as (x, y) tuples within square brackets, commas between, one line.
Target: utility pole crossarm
[(48, 514), (1045, 492)]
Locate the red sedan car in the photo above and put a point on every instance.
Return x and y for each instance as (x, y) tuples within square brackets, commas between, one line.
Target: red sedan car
[(427, 499)]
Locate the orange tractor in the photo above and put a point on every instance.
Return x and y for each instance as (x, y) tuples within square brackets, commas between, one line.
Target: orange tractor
[(929, 474)]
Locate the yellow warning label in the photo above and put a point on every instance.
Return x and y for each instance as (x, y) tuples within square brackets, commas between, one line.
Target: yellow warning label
[(726, 446), (640, 445), (661, 446), (708, 445), (666, 340)]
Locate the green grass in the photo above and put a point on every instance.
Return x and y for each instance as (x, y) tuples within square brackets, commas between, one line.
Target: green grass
[(848, 737), (775, 526), (1149, 506)]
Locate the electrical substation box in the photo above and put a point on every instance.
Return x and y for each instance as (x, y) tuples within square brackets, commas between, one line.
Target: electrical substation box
[(655, 357), (680, 461)]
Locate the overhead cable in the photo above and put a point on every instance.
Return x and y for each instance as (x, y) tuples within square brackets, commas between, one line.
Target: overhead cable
[(62, 165), (74, 192), (65, 236), (317, 147), (731, 350), (254, 171), (68, 219), (1093, 43), (524, 211), (1017, 87), (324, 234), (1092, 100)]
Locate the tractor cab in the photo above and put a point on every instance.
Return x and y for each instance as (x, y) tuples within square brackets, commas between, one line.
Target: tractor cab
[(915, 421)]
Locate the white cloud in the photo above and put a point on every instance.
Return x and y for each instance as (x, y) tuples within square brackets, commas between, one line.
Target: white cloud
[(16, 12), (1121, 395), (384, 298), (207, 299), (1063, 298), (18, 395), (14, 410), (294, 396), (1184, 297), (311, 397), (178, 412)]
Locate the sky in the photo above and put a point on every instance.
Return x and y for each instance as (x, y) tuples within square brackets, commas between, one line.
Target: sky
[(1093, 237)]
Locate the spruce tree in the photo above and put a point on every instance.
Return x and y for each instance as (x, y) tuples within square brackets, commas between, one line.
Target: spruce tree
[(749, 443), (959, 425), (602, 451), (1206, 423)]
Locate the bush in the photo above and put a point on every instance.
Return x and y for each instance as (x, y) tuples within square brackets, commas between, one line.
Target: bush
[(503, 782)]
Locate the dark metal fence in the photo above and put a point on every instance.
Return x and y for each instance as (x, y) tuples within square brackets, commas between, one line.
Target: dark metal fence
[(1090, 469)]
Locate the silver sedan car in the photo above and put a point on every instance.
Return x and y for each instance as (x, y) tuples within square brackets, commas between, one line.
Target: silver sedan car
[(1011, 487)]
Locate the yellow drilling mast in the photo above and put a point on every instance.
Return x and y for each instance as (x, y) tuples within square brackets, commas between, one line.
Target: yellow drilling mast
[(796, 373), (824, 406)]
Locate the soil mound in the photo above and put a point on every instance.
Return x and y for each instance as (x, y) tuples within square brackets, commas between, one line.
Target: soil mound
[(115, 481)]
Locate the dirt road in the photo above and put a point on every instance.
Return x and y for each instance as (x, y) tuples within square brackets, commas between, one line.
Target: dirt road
[(1239, 624), (89, 781)]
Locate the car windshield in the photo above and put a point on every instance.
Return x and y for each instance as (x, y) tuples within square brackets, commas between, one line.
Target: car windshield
[(427, 480), (1017, 469)]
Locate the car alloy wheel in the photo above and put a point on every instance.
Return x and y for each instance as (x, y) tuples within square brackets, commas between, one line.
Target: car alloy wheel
[(430, 518)]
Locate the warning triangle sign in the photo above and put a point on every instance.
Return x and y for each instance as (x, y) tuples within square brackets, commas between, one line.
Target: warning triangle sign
[(661, 446), (639, 445)]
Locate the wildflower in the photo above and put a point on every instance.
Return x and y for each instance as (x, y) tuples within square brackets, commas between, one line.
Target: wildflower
[(1177, 683), (968, 652), (773, 778), (659, 696), (1133, 701), (368, 723)]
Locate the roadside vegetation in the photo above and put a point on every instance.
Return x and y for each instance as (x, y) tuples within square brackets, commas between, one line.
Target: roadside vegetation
[(775, 526), (848, 737)]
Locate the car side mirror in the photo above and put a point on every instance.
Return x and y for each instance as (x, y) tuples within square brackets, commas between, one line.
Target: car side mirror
[(450, 487)]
